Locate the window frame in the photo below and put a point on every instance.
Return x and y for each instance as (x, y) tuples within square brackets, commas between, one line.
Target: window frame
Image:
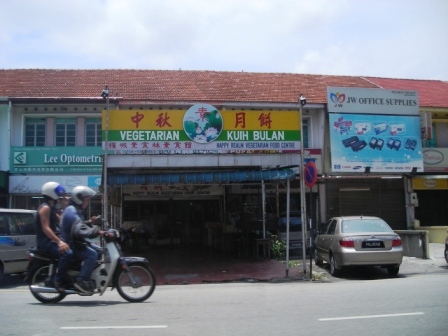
[(97, 130), (68, 139), (32, 124)]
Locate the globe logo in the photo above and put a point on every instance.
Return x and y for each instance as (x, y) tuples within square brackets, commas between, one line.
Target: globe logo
[(203, 123)]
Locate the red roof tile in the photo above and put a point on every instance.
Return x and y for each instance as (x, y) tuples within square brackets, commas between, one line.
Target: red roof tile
[(212, 86), (173, 85), (431, 93)]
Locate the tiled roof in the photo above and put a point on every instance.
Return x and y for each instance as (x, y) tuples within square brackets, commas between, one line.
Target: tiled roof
[(211, 86), (431, 93), (173, 85)]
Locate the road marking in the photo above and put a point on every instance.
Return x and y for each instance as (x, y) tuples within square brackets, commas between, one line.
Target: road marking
[(116, 327), (368, 316)]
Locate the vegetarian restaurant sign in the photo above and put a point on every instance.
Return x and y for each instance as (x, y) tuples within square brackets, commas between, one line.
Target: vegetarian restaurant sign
[(201, 128)]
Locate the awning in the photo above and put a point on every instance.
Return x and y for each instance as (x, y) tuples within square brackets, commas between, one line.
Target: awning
[(200, 177)]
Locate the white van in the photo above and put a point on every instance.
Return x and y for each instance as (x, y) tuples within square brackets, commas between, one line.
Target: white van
[(17, 235)]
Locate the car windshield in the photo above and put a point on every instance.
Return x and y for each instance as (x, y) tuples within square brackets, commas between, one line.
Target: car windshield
[(364, 225), (292, 220), (295, 223)]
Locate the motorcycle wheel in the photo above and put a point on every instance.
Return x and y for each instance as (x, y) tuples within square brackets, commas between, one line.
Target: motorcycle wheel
[(39, 277), (145, 279)]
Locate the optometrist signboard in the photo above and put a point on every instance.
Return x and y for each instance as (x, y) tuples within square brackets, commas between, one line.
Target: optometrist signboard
[(56, 160), (201, 128), (378, 129)]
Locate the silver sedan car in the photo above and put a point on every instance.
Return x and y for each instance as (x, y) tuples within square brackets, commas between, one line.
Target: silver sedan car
[(358, 241)]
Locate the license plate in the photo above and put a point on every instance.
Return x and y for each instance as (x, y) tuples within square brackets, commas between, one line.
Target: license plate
[(373, 244)]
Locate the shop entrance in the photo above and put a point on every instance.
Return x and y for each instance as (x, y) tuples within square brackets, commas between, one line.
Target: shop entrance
[(173, 222)]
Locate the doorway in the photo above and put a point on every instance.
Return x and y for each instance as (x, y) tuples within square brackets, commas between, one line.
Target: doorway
[(175, 221)]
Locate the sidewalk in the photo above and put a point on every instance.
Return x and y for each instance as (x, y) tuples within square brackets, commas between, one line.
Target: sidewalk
[(187, 266), (436, 260), (174, 267)]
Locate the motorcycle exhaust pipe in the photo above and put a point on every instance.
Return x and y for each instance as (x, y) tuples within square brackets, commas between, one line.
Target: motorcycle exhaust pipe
[(38, 289)]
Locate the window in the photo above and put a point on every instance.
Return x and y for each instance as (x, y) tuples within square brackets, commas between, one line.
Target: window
[(66, 132), (305, 133), (93, 132), (35, 132), (332, 227), (14, 224)]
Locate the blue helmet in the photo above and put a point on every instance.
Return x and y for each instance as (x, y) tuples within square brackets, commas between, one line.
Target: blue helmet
[(53, 190)]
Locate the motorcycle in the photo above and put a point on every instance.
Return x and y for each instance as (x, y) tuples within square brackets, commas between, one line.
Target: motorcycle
[(131, 276)]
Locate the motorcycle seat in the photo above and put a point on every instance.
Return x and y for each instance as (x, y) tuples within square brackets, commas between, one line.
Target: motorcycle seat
[(40, 253)]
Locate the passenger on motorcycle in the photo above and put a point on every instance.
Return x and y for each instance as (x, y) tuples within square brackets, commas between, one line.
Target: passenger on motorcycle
[(47, 232), (75, 231)]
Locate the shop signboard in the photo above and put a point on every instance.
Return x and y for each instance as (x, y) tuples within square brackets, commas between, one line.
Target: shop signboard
[(372, 101), (56, 160), (201, 129), (32, 184), (374, 128), (137, 192), (382, 142), (435, 159), (428, 183)]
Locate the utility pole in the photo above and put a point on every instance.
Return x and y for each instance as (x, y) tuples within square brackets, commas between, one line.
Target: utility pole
[(105, 94), (302, 102)]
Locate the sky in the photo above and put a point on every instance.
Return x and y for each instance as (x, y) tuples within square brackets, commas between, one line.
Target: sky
[(380, 38)]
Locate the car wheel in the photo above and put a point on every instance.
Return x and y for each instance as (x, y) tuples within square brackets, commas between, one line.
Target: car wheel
[(1, 272), (393, 270), (334, 270)]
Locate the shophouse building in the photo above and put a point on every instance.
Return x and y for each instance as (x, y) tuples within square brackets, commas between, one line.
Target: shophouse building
[(428, 190), (195, 157)]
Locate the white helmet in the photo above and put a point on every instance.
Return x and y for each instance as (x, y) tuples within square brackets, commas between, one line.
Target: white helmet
[(53, 190), (79, 192)]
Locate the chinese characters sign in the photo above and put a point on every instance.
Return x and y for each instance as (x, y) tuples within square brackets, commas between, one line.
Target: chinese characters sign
[(202, 128)]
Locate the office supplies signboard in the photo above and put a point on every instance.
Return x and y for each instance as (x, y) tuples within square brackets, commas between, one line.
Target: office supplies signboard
[(372, 101), (388, 141)]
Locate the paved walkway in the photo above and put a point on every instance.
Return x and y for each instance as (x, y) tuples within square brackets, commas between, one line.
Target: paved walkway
[(192, 267)]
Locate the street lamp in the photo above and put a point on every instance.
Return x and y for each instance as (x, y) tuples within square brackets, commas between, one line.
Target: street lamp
[(302, 102), (105, 94)]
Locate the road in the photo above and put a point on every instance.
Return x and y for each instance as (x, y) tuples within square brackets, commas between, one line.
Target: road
[(408, 305), (362, 302)]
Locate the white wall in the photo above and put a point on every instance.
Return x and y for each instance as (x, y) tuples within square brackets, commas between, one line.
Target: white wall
[(4, 137), (442, 134)]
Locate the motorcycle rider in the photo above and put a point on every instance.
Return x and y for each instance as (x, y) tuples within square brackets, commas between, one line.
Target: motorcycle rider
[(47, 231), (75, 231)]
